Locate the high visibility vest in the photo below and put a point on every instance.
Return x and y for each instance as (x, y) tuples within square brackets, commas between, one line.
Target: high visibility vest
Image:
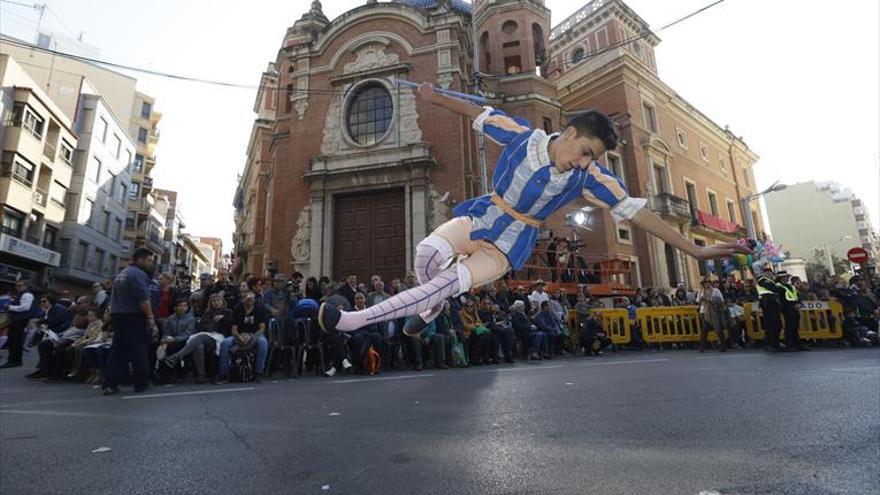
[(791, 294), (761, 290)]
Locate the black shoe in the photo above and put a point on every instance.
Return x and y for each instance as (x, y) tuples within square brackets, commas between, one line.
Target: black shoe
[(508, 360), (37, 374), (258, 378), (221, 380), (143, 389), (328, 317), (804, 348), (414, 326), (110, 390), (7, 364)]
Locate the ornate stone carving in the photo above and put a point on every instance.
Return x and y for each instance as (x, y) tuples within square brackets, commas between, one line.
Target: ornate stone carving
[(445, 80), (300, 247), (438, 208), (332, 130), (301, 106), (407, 117), (369, 57)]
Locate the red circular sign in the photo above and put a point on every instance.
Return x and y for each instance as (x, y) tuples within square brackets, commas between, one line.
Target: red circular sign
[(857, 255)]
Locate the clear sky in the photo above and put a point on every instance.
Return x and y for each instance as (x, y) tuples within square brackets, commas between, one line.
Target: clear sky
[(798, 80)]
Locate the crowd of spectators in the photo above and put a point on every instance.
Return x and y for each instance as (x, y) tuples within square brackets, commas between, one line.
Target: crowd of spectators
[(199, 329)]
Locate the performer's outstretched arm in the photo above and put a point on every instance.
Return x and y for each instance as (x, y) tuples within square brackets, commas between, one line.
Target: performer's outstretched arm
[(649, 221), (459, 106)]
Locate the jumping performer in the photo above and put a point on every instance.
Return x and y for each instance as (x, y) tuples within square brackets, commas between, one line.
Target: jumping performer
[(536, 175)]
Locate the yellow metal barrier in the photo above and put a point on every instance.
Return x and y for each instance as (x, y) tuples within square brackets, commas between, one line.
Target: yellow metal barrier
[(819, 320), (671, 324), (615, 322)]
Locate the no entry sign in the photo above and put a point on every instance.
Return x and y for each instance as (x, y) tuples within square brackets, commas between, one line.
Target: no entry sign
[(857, 255)]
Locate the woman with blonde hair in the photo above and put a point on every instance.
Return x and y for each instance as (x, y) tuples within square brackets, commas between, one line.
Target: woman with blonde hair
[(211, 329)]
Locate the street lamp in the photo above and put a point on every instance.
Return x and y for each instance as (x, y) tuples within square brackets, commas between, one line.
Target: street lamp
[(828, 259), (747, 212)]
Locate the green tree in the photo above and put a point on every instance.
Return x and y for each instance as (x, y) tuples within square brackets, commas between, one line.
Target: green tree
[(819, 264)]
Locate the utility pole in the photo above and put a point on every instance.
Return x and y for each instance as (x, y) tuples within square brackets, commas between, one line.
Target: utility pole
[(478, 80)]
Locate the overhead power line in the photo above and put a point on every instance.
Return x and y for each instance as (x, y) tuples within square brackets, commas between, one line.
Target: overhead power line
[(179, 77)]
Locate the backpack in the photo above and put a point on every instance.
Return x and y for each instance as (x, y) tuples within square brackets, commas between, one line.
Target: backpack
[(243, 364), (372, 361)]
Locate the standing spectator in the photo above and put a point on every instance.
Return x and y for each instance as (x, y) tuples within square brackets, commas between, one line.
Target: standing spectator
[(225, 287), (770, 294), (538, 295), (133, 320), (410, 281), (680, 297), (867, 309), (552, 261), (167, 297), (712, 311), (249, 322), (378, 293), (519, 294), (547, 322), (275, 297), (582, 307), (184, 287), (313, 290), (101, 297), (349, 289), (21, 310)]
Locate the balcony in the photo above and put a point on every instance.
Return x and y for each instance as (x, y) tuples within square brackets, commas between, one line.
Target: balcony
[(671, 207), (49, 151), (147, 185), (40, 197)]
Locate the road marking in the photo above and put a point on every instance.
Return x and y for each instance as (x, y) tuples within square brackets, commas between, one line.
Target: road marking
[(632, 361), (728, 356), (531, 368), (382, 378), (195, 392)]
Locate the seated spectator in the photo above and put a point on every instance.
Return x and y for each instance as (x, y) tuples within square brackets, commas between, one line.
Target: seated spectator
[(365, 337), (275, 297), (249, 321), (349, 289), (478, 340), (56, 317), (593, 336), (547, 322), (528, 334), (501, 332), (313, 290), (378, 293), (52, 365), (854, 332), (92, 336), (680, 297), (175, 332), (96, 353), (211, 329)]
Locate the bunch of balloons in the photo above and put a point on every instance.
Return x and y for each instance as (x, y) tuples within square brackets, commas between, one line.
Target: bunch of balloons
[(761, 252)]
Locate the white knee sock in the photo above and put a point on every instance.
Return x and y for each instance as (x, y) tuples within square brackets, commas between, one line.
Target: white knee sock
[(450, 282)]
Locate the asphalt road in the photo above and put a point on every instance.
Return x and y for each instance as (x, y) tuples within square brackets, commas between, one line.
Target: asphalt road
[(669, 422)]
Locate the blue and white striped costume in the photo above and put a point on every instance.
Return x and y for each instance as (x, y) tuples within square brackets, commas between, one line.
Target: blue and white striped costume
[(531, 185)]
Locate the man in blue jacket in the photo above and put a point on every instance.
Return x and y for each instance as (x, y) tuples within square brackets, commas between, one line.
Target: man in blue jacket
[(547, 322), (57, 318)]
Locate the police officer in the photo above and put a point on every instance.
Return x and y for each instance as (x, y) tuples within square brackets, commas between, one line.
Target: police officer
[(769, 297), (791, 311)]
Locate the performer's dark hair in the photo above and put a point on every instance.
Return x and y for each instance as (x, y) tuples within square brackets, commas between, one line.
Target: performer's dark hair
[(597, 124)]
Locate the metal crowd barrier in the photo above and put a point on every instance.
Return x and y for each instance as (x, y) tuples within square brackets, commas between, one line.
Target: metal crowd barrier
[(819, 320), (671, 324), (615, 322)]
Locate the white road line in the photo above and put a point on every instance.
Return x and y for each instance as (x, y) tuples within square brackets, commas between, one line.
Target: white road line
[(632, 361), (530, 368), (729, 356), (195, 392), (382, 378)]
